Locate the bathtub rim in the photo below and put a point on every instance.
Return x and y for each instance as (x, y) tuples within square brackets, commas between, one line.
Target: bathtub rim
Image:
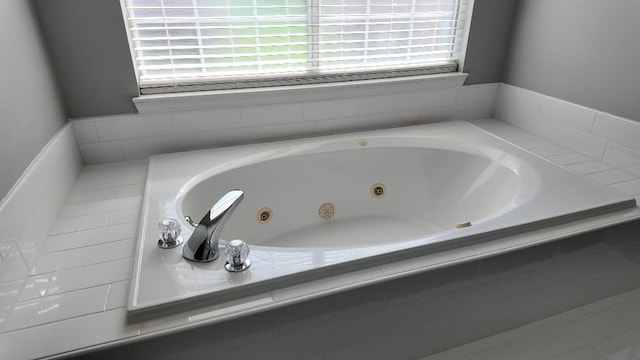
[(627, 209)]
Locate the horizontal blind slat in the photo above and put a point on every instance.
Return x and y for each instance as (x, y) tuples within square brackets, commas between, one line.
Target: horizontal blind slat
[(178, 40), (225, 23), (321, 33), (226, 65)]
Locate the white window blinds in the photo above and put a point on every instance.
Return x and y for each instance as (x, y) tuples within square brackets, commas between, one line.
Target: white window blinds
[(187, 45)]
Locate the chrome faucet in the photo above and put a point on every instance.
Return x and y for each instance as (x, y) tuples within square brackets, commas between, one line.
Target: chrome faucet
[(202, 246)]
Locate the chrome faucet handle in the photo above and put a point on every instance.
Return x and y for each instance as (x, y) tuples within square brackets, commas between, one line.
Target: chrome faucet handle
[(237, 252), (169, 234)]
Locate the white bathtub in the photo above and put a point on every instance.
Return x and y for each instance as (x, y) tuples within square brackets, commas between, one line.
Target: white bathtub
[(436, 179)]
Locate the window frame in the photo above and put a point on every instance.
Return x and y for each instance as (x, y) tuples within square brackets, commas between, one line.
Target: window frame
[(376, 76)]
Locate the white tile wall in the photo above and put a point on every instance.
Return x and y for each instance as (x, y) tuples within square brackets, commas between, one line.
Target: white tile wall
[(574, 116), (568, 159), (227, 137), (600, 136), (617, 130), (116, 138), (133, 126), (142, 148), (86, 132), (589, 167), (197, 121), (623, 158), (48, 309), (67, 335), (97, 206), (271, 115), (609, 177), (90, 237), (631, 187), (117, 297), (101, 253), (78, 278), (286, 131), (30, 209), (101, 152), (73, 224)]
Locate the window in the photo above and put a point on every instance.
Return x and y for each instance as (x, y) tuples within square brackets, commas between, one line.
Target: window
[(189, 45)]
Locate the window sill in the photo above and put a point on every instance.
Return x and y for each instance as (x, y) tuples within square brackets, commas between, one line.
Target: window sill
[(147, 104)]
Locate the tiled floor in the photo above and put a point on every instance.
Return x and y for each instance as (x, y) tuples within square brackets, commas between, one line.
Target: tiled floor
[(604, 330)]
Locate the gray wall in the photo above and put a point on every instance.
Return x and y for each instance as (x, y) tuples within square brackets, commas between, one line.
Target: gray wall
[(89, 51), (582, 51), (31, 112), (87, 42), (488, 40)]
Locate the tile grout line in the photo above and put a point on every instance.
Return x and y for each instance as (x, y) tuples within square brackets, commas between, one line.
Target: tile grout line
[(106, 300), (73, 290), (48, 323)]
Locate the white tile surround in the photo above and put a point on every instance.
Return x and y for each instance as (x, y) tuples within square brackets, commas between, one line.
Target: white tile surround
[(29, 211), (613, 140), (64, 286), (131, 137)]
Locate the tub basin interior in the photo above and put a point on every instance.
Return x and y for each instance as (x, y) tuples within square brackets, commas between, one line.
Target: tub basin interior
[(426, 191)]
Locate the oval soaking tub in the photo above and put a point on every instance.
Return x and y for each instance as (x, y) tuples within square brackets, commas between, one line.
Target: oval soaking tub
[(390, 190), (332, 205)]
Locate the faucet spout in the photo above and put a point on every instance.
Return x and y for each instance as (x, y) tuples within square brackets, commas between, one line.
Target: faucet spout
[(202, 246)]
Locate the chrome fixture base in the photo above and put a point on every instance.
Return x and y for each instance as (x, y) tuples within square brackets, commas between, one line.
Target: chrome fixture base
[(231, 268), (203, 256), (170, 244), (237, 253)]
